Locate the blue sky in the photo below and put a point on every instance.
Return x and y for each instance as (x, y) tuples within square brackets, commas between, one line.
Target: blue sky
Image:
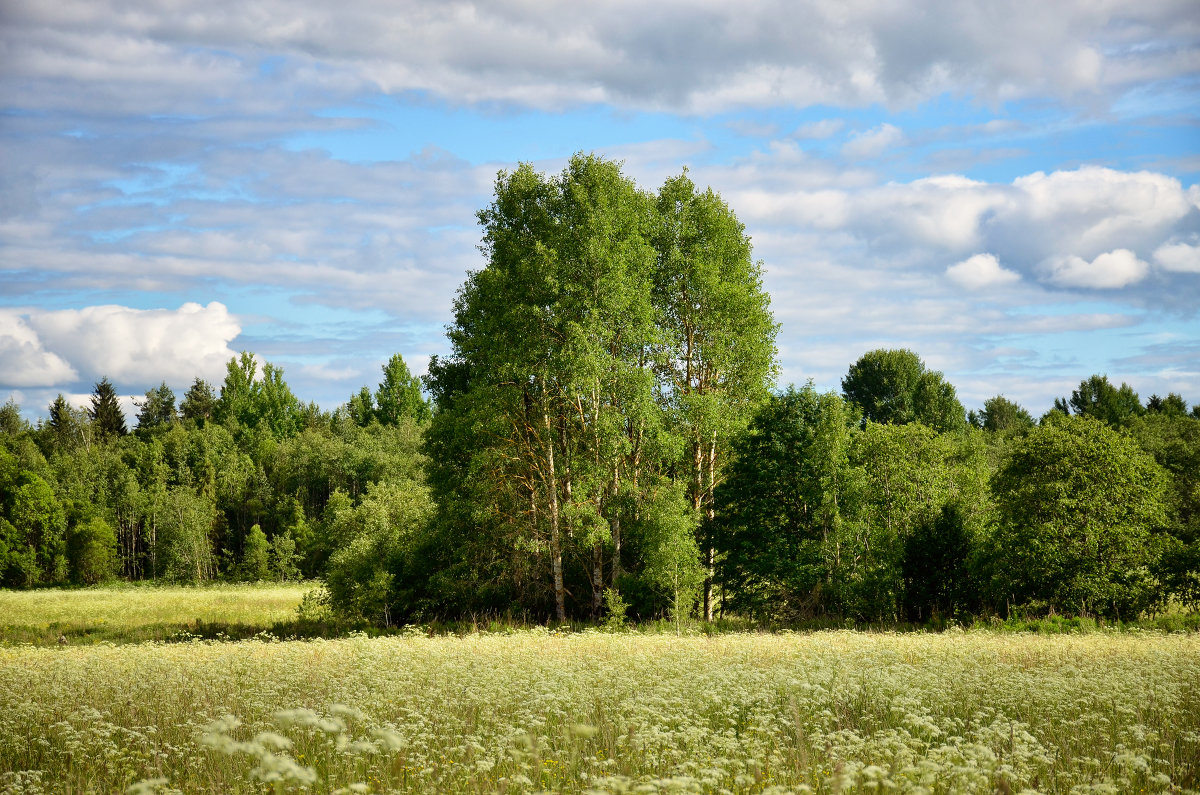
[(1008, 188)]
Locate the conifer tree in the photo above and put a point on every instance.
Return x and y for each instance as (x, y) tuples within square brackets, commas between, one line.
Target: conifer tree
[(105, 413)]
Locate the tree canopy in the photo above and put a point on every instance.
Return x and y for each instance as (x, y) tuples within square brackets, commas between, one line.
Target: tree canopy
[(893, 387)]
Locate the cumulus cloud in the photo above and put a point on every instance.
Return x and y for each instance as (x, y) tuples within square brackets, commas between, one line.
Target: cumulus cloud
[(979, 271), (872, 143), (1108, 271), (1178, 257), (1041, 225), (1100, 208), (24, 360), (130, 346)]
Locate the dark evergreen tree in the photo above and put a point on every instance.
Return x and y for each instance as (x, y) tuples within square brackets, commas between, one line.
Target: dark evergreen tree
[(105, 412), (66, 428)]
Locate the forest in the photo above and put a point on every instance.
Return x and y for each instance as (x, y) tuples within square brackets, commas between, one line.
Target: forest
[(605, 441)]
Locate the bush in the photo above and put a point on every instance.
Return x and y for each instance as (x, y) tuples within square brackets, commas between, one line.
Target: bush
[(92, 552)]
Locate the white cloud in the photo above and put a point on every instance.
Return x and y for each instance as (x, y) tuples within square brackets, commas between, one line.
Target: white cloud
[(1111, 270), (705, 57), (944, 211), (130, 346), (981, 270), (24, 361), (1080, 213), (815, 130), (872, 143), (1091, 209), (1178, 257)]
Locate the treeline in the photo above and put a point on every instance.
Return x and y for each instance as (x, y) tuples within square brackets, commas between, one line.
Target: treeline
[(603, 440), (857, 505), (240, 482)]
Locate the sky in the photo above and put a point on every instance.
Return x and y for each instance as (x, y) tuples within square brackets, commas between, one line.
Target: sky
[(1010, 188)]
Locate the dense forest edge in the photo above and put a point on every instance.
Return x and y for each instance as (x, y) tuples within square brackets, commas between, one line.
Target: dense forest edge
[(605, 443)]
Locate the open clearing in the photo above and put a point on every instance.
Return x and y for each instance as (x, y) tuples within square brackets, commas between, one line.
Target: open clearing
[(141, 612), (828, 711)]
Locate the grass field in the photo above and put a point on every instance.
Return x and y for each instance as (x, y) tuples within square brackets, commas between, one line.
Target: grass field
[(823, 712), (140, 613)]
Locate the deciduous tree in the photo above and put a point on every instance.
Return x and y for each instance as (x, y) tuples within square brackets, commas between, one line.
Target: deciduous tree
[(893, 387), (157, 408), (1079, 505)]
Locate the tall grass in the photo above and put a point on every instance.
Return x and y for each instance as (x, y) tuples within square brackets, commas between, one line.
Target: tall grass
[(143, 612), (532, 710)]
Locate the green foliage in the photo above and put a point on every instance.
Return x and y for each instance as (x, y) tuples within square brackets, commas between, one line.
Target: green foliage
[(66, 428), (1097, 397), (1172, 405), (256, 555), (264, 406), (283, 557), (182, 548), (157, 409), (1079, 506), (237, 399), (781, 513), (615, 609), (1001, 415), (376, 536), (614, 341), (936, 566), (35, 534), (893, 387), (11, 421), (362, 407), (908, 475), (199, 402), (92, 551), (671, 560), (399, 395), (1173, 439)]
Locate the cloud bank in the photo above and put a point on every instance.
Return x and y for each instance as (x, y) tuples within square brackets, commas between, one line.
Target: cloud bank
[(701, 57), (56, 348)]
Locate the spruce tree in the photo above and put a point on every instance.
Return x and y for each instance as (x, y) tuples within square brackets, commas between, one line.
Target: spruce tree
[(105, 412)]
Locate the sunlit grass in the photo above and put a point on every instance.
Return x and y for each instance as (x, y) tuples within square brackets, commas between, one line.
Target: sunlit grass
[(825, 712), (141, 612)]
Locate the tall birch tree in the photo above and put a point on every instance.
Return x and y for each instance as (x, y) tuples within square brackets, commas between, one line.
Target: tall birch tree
[(719, 358)]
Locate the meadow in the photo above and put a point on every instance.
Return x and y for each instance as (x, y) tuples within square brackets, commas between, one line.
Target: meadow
[(531, 710), (144, 612)]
